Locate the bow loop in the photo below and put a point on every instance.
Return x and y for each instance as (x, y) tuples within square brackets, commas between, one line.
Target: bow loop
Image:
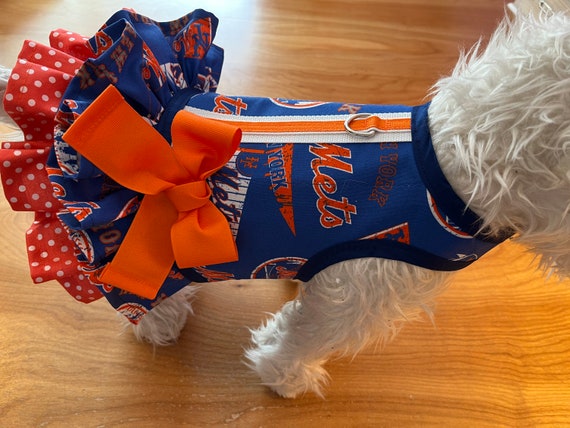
[(177, 221)]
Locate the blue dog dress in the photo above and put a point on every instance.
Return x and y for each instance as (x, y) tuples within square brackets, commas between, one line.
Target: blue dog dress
[(311, 184)]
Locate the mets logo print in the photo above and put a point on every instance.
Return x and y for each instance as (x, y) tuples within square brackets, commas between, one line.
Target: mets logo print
[(151, 67), (280, 164), (213, 275), (445, 221), (196, 40), (400, 233), (386, 172), (228, 105), (84, 244), (329, 157), (132, 311), (229, 188), (279, 268), (82, 210), (282, 102)]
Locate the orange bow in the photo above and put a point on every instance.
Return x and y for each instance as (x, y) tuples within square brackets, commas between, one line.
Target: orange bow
[(177, 220)]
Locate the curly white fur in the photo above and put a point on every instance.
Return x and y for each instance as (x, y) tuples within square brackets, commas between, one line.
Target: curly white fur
[(502, 136), (163, 324), (501, 130)]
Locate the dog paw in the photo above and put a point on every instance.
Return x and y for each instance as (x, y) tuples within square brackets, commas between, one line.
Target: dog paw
[(163, 324), (286, 378), (279, 366)]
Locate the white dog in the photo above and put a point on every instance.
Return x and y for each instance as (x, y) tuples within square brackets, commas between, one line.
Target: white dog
[(500, 126), (489, 155)]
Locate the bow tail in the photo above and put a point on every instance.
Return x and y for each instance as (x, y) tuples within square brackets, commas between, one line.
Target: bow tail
[(145, 257)]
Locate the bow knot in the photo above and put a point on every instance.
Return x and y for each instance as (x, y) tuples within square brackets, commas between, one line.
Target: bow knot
[(177, 221), (189, 196)]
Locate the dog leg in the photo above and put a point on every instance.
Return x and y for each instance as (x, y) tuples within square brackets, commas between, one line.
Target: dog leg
[(340, 311), (162, 325)]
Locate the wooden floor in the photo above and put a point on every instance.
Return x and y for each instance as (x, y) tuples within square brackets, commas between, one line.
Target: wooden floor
[(499, 354)]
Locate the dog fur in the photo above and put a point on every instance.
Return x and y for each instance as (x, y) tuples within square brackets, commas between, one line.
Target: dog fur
[(501, 131)]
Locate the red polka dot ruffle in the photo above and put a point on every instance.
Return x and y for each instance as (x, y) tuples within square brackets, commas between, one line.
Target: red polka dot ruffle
[(32, 98)]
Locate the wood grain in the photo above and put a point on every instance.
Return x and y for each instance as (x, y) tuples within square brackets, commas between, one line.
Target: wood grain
[(498, 354)]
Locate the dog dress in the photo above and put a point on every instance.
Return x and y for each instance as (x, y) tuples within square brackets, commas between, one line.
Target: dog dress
[(310, 184)]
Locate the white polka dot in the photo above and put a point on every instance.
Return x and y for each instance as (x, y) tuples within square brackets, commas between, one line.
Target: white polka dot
[(32, 248), (72, 39), (48, 136), (8, 97), (57, 94), (64, 249), (9, 182), (44, 254), (72, 60), (13, 199), (29, 137), (48, 204), (57, 64), (18, 170), (66, 76), (38, 56), (58, 230), (31, 103), (7, 164), (38, 279), (30, 177), (35, 197), (78, 297), (45, 98), (68, 262), (51, 52), (32, 44), (22, 188), (40, 166), (23, 89), (78, 288), (43, 186), (47, 268), (51, 242), (30, 71), (22, 61), (35, 264), (60, 45), (53, 109), (55, 34), (40, 237), (60, 273), (15, 76), (52, 79), (27, 206), (38, 84), (17, 153)]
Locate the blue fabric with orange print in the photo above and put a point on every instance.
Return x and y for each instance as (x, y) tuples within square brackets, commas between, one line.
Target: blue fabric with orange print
[(304, 191)]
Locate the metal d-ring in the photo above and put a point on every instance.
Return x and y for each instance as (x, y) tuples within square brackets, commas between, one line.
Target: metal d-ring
[(364, 133)]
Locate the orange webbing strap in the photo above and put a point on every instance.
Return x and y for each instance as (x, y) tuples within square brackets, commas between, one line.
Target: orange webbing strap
[(177, 220)]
